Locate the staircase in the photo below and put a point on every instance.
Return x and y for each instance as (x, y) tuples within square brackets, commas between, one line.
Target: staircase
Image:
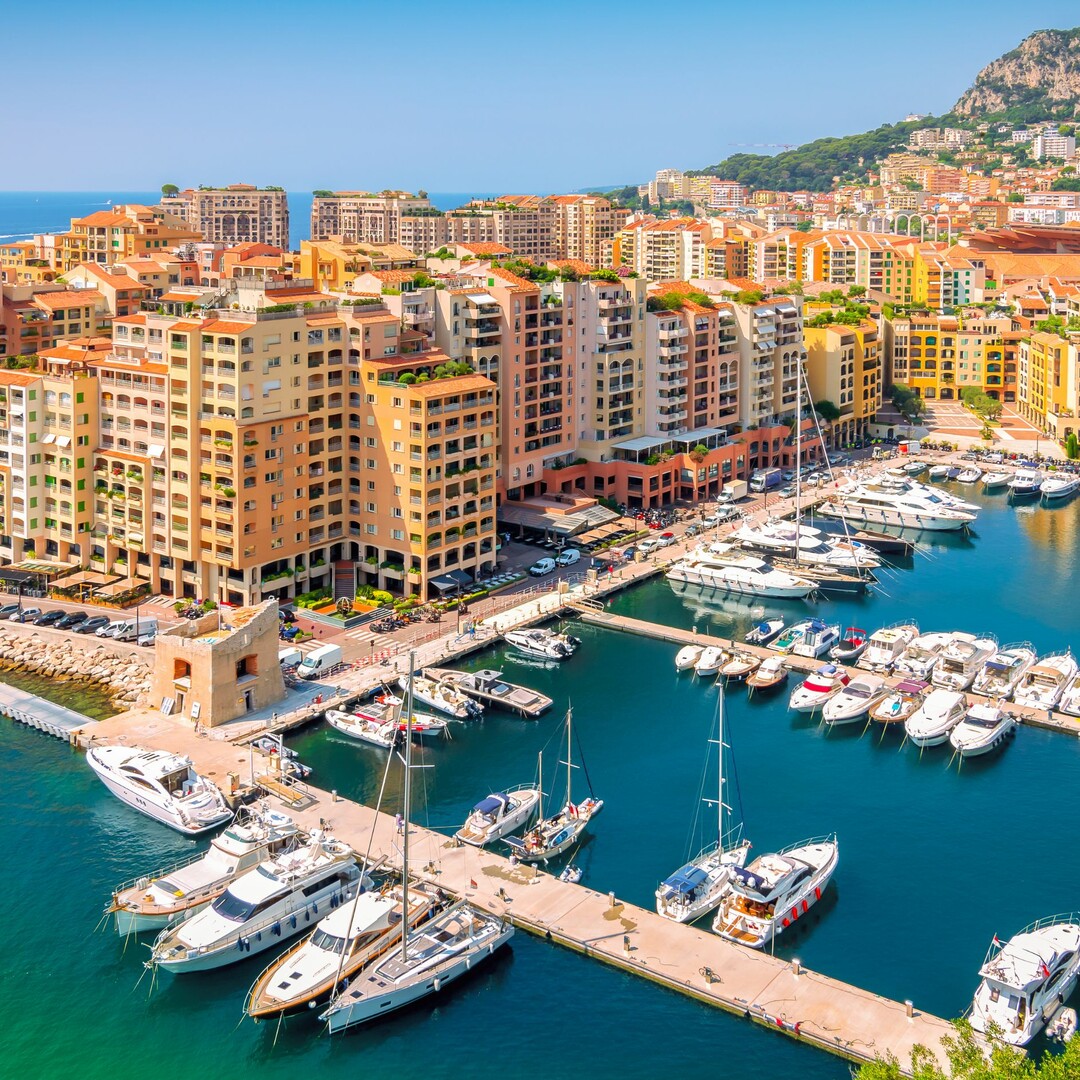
[(344, 578)]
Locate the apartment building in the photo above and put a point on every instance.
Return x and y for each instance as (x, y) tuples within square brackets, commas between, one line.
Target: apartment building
[(1047, 388), (527, 230), (363, 217), (585, 226), (1053, 145), (844, 366), (25, 327), (771, 348), (671, 250), (22, 262), (239, 213), (334, 266), (125, 232)]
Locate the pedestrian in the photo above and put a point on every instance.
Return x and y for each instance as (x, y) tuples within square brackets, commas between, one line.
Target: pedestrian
[(399, 823)]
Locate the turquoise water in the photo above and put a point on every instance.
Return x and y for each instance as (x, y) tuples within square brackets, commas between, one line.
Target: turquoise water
[(933, 861), (90, 699)]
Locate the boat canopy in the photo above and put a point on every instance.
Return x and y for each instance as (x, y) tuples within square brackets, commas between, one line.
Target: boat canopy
[(492, 804), (749, 879), (686, 880), (912, 686)]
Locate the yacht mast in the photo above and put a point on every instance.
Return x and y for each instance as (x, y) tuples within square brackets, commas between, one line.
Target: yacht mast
[(798, 464), (569, 766), (405, 827)]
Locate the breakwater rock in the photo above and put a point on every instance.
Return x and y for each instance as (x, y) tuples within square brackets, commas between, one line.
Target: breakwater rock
[(125, 675)]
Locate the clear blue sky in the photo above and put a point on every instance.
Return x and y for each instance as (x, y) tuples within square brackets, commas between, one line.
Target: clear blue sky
[(475, 96)]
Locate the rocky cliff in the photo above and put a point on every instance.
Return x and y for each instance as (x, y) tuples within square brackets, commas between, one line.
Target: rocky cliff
[(1040, 77)]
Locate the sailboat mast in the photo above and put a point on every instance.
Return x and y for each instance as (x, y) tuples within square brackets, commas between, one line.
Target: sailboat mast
[(720, 771), (569, 722), (798, 461), (405, 815)]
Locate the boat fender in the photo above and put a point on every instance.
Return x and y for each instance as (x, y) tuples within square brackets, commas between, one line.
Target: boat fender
[(240, 944), (258, 936), (438, 984), (276, 929), (805, 907), (333, 902), (315, 908), (307, 915), (794, 913), (292, 922), (817, 893), (786, 923)]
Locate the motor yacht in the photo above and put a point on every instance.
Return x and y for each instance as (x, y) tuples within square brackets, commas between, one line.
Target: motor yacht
[(805, 544), (382, 732), (263, 907), (1058, 486), (738, 575), (850, 647), (1025, 482), (687, 657), (816, 689), (430, 957), (855, 700), (908, 506), (774, 891), (739, 665), (441, 697), (545, 644), (1042, 685), (764, 631), (933, 721), (708, 664), (772, 673), (919, 658), (160, 785), (900, 702), (914, 468), (939, 472), (150, 902), (1002, 671), (308, 974), (961, 660), (1026, 978), (983, 728), (992, 481), (789, 638), (886, 645), (499, 814), (1070, 697), (818, 637)]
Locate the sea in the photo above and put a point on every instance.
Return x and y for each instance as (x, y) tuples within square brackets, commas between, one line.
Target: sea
[(935, 858), (24, 213)]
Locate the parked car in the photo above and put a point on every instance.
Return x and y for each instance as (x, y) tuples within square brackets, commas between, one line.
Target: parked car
[(50, 618), (724, 514), (91, 625), (71, 620), (665, 539), (786, 491), (544, 566), (28, 614), (649, 545), (148, 639), (788, 475), (8, 610), (568, 557)]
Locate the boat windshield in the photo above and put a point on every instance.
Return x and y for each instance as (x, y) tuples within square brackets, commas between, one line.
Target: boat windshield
[(328, 942), (232, 908)]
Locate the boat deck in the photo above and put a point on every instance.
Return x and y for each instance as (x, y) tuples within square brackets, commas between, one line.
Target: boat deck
[(515, 698)]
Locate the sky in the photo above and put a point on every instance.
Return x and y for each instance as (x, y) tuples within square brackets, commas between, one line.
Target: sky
[(547, 97)]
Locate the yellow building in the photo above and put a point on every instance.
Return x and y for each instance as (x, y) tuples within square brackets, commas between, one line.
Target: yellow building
[(125, 232), (843, 365), (1048, 383)]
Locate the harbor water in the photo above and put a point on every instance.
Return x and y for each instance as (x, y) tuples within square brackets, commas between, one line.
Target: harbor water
[(934, 860)]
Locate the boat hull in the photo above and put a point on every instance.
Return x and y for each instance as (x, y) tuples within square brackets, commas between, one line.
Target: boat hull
[(136, 922), (711, 583), (895, 518), (984, 746)]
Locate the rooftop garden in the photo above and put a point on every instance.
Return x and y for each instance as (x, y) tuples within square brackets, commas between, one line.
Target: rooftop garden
[(674, 301)]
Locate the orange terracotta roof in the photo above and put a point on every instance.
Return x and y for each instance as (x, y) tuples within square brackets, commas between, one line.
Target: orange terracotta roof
[(116, 281), (485, 248), (102, 218), (138, 319), (68, 298), (17, 378), (218, 326), (576, 265), (181, 297), (392, 277)]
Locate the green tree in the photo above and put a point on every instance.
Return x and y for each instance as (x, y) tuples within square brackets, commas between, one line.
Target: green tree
[(1072, 446), (907, 401), (169, 189), (1015, 197), (967, 1061), (827, 410)]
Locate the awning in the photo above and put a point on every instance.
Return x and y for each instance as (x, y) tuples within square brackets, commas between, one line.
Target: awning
[(156, 450), (452, 579), (48, 438), (63, 440), (531, 517)]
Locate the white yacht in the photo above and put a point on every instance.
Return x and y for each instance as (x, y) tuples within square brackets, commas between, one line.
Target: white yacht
[(971, 475), (161, 785), (708, 663), (816, 689), (855, 700), (263, 907), (1059, 486), (901, 702), (939, 472), (919, 658), (961, 660), (1070, 697), (1025, 482), (994, 480), (178, 891), (738, 575), (382, 732), (764, 630), (1043, 683), (342, 942), (1026, 978), (431, 957), (932, 722), (806, 544), (909, 506), (817, 638), (740, 665), (1003, 670), (775, 891), (886, 646), (545, 644), (441, 697), (500, 813), (982, 729), (688, 656)]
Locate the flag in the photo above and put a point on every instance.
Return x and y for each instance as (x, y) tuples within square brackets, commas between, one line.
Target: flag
[(571, 809), (998, 942), (473, 884), (1045, 971)]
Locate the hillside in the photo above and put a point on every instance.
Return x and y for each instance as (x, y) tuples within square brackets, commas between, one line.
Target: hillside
[(1038, 80)]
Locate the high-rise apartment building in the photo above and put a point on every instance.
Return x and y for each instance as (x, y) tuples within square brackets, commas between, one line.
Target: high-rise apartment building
[(585, 226), (240, 213), (844, 366), (363, 217), (670, 250)]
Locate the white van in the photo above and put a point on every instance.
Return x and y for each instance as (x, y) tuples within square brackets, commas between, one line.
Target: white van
[(320, 661), (289, 658), (130, 629)]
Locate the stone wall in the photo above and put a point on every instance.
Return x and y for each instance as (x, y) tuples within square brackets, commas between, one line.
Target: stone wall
[(126, 675)]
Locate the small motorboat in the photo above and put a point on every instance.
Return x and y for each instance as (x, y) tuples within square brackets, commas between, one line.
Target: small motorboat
[(374, 732), (817, 638), (787, 640), (442, 697), (571, 873), (770, 674), (1058, 487), (932, 723), (913, 468), (855, 700), (1043, 683), (711, 660), (545, 644), (971, 475), (497, 815), (739, 665), (1062, 1026), (981, 730), (939, 472), (994, 480), (1070, 698), (688, 656), (1026, 482), (764, 631), (851, 646), (902, 701), (953, 473), (1003, 670), (811, 694)]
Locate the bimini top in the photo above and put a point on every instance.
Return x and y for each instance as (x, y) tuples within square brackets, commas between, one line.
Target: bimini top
[(686, 880), (911, 686), (492, 804)]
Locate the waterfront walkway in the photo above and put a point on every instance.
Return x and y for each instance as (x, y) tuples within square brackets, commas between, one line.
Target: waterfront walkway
[(36, 712)]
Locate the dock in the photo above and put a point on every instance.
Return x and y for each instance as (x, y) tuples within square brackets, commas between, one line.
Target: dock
[(46, 716)]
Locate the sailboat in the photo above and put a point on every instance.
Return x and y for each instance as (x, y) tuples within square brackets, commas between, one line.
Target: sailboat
[(432, 954), (558, 833), (701, 884)]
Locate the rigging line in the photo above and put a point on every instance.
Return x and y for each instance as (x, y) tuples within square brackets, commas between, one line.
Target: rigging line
[(584, 767)]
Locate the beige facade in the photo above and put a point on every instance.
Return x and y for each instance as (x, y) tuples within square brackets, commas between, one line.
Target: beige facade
[(240, 213), (361, 217)]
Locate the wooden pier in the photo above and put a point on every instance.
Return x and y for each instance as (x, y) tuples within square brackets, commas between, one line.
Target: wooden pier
[(36, 712)]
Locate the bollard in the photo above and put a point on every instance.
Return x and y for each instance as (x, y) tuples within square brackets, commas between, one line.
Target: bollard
[(333, 795), (611, 899), (626, 944), (909, 1010), (796, 967)]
